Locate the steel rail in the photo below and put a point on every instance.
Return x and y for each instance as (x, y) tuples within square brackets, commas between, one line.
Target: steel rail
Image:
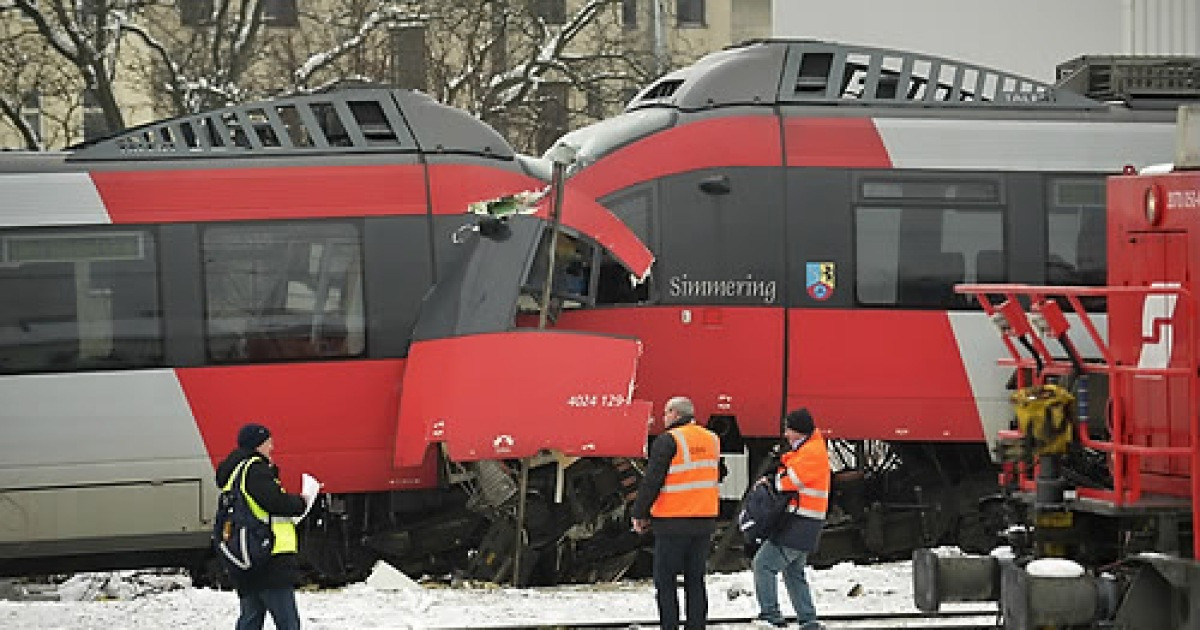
[(950, 620)]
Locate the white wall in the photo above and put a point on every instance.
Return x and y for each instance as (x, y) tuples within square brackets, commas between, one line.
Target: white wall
[(1162, 27), (1028, 37)]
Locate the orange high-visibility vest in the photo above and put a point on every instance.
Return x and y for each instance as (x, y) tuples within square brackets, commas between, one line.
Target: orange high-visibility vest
[(690, 489), (806, 472)]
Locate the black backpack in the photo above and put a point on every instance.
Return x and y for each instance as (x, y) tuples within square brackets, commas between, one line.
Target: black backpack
[(763, 510), (241, 540)]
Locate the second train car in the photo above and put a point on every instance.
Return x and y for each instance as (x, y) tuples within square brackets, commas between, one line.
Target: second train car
[(811, 206)]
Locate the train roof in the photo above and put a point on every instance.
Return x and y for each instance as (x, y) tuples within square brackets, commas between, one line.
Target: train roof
[(345, 121), (821, 73)]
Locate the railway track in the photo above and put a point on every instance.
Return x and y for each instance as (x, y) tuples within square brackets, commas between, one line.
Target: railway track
[(965, 620)]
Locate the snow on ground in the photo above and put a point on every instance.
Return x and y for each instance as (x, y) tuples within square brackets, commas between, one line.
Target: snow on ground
[(129, 599)]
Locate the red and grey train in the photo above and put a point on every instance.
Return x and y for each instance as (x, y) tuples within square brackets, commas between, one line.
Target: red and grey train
[(811, 206), (307, 263)]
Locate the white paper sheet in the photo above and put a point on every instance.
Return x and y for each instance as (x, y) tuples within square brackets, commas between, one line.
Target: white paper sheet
[(309, 488)]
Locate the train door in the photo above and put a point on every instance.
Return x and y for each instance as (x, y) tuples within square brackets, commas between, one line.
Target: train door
[(719, 279), (710, 316)]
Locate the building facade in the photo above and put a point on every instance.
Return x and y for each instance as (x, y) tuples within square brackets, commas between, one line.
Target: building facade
[(301, 47)]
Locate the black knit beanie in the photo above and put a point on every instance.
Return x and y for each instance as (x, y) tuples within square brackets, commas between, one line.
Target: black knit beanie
[(252, 435), (800, 421)]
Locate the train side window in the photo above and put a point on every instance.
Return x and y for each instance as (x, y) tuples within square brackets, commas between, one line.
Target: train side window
[(634, 209), (288, 290), (913, 256), (615, 285), (1075, 236), (79, 299), (574, 281)]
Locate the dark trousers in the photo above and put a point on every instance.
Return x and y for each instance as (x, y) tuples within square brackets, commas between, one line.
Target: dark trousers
[(280, 602), (674, 555)]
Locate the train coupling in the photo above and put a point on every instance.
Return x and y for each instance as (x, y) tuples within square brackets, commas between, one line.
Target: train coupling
[(1031, 594)]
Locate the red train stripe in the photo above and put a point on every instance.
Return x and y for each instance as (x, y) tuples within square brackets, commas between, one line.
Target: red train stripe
[(261, 193), (842, 142), (454, 186), (710, 143)]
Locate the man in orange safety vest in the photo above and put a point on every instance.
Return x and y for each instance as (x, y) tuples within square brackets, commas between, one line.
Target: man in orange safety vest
[(679, 498), (804, 470)]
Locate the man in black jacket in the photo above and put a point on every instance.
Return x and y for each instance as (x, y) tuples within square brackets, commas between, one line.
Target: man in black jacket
[(680, 492), (271, 587)]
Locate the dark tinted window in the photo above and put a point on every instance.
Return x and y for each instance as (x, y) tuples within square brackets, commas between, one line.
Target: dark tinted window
[(280, 13), (633, 208), (551, 11), (913, 256), (78, 299), (1076, 232), (95, 125), (31, 112), (554, 119), (629, 13), (407, 65), (689, 12), (937, 191), (195, 12), (283, 291), (615, 284)]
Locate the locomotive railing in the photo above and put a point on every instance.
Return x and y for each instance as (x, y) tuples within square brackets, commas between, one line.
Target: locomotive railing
[(1026, 315)]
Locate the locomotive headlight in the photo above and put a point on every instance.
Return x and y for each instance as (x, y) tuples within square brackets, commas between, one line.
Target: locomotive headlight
[(1155, 204)]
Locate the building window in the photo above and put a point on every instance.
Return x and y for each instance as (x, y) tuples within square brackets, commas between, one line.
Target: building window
[(408, 69), (195, 12), (280, 13), (629, 13), (553, 121), (95, 125), (689, 12), (551, 11), (31, 112), (596, 104), (89, 12), (290, 290), (88, 300)]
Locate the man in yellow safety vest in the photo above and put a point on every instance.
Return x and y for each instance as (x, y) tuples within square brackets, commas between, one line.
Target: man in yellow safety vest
[(270, 588)]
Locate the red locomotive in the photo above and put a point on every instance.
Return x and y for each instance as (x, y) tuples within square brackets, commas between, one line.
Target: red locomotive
[(1101, 462)]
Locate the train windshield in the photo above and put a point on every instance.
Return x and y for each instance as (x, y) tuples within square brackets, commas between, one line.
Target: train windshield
[(595, 141)]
